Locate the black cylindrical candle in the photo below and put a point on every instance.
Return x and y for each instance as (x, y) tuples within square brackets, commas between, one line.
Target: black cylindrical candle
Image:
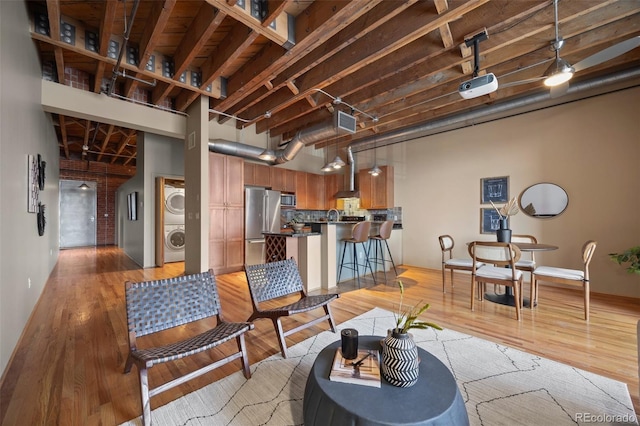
[(349, 343)]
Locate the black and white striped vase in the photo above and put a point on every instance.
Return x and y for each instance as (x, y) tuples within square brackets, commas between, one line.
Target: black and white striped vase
[(400, 362)]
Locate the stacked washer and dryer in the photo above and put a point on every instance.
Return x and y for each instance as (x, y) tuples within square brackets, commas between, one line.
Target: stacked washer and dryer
[(174, 206)]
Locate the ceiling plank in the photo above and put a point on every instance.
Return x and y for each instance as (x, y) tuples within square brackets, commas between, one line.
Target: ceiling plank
[(410, 26), (205, 23), (320, 22), (155, 25), (365, 24), (230, 49)]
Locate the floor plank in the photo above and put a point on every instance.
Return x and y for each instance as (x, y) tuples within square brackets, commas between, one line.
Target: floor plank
[(67, 369)]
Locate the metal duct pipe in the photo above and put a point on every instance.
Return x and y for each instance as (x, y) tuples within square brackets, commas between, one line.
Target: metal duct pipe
[(351, 192), (125, 37), (491, 112), (304, 137)]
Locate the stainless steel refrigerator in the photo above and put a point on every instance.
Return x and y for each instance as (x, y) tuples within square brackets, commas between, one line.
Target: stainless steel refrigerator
[(262, 214)]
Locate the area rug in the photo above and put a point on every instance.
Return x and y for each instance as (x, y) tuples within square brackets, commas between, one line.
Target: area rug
[(500, 385)]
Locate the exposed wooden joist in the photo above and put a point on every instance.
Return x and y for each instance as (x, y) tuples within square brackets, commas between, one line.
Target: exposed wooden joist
[(328, 18)]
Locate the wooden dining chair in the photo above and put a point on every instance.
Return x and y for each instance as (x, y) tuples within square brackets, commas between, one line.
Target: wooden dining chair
[(452, 263), (499, 261), (574, 277), (529, 264)]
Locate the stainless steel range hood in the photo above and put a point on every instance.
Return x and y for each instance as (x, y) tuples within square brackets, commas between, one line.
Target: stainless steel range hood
[(351, 192)]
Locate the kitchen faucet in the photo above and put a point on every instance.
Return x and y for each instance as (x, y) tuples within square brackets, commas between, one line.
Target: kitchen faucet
[(329, 215)]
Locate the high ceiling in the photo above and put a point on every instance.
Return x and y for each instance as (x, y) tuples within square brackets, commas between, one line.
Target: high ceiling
[(393, 64)]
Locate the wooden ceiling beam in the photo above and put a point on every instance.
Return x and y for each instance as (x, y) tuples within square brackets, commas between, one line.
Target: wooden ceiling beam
[(207, 20), (378, 16), (410, 26), (105, 141), (239, 39), (155, 25), (122, 145), (63, 135), (280, 35), (320, 22), (274, 9)]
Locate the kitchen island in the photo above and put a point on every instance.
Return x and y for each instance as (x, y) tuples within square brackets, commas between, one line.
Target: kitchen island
[(331, 248), (304, 247)]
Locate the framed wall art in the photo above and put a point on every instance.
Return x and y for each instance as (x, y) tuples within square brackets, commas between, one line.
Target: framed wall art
[(132, 201), (32, 184), (489, 220), (494, 189)]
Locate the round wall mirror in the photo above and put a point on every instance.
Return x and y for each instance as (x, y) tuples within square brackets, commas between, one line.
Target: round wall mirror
[(543, 200)]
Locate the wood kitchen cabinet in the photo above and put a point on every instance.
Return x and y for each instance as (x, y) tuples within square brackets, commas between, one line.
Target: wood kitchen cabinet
[(376, 192), (332, 184), (301, 190), (226, 213), (289, 180), (277, 178), (315, 191)]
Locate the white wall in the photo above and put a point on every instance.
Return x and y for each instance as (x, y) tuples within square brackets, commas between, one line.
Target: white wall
[(591, 148), (24, 130), (157, 156)]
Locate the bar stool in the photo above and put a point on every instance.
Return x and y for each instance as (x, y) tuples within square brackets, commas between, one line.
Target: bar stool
[(383, 235), (359, 235)]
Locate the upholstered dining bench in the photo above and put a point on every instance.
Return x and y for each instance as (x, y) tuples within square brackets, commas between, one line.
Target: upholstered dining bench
[(154, 306)]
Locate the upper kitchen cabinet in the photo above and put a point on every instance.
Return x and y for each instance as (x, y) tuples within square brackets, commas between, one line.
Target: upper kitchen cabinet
[(257, 174), (376, 192), (289, 180), (315, 192), (301, 190), (226, 209), (332, 184)]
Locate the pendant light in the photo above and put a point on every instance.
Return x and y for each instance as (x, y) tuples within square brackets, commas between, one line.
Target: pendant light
[(560, 70), (84, 186), (375, 170), (267, 154), (337, 162), (328, 167)]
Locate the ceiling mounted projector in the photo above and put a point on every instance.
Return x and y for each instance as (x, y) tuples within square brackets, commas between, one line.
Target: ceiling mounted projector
[(478, 86)]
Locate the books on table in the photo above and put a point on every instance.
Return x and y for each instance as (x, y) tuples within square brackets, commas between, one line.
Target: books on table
[(366, 370)]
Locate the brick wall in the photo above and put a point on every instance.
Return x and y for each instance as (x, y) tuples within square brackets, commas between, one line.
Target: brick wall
[(108, 179)]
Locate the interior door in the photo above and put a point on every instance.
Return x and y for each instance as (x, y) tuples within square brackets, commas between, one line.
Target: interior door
[(78, 208)]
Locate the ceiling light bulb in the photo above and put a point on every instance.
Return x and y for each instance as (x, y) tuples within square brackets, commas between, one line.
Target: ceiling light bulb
[(559, 72)]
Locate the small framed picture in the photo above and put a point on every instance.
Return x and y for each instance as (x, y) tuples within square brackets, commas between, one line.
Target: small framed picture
[(494, 189), (489, 220)]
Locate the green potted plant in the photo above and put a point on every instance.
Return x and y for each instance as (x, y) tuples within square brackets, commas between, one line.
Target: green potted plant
[(631, 256), (407, 319), (297, 222), (400, 362)]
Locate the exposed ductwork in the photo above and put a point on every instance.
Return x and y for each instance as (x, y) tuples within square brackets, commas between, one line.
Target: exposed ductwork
[(505, 109), (341, 122)]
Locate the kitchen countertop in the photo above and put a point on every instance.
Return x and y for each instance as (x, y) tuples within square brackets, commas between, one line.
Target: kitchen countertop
[(292, 234)]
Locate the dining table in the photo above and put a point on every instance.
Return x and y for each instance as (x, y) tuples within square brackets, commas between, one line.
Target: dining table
[(507, 297)]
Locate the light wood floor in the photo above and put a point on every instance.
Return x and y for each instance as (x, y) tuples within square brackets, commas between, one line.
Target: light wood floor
[(67, 369)]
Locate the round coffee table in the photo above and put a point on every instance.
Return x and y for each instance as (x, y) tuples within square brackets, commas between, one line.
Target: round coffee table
[(434, 400)]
